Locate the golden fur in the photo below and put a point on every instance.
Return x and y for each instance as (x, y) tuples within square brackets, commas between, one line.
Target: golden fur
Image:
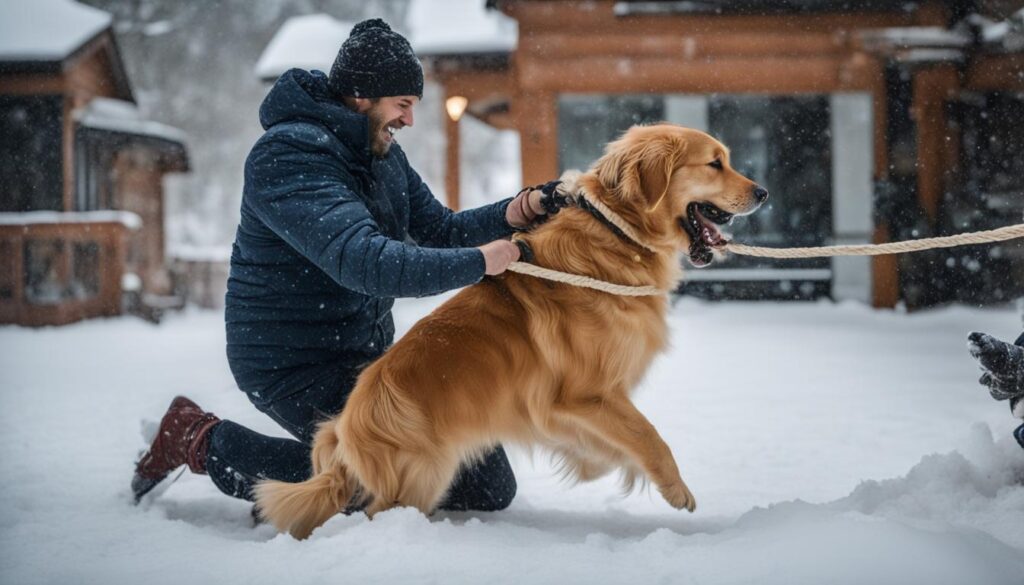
[(517, 359)]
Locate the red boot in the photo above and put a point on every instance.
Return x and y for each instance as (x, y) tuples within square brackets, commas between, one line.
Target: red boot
[(182, 439)]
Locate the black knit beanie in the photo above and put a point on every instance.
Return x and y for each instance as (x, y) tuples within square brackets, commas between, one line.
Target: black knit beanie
[(375, 61)]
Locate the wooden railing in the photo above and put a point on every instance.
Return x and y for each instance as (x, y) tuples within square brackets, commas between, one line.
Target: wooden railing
[(59, 268)]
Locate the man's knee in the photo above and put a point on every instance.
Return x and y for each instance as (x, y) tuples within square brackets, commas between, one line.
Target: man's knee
[(503, 497), (488, 486)]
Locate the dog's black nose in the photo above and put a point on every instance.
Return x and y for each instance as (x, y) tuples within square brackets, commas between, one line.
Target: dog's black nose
[(760, 193)]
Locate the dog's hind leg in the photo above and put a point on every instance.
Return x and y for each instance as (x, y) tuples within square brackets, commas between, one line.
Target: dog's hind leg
[(421, 482), (426, 481)]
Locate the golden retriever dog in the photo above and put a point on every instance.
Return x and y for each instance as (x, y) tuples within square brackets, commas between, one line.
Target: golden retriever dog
[(518, 359)]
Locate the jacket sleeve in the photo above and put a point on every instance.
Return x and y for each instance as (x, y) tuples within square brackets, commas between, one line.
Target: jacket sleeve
[(433, 224), (302, 192)]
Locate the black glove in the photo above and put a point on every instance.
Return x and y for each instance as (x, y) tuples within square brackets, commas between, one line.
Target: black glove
[(1002, 365), (552, 200), (522, 215)]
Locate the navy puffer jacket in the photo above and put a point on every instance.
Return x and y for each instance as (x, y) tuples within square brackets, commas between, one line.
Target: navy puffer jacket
[(329, 236)]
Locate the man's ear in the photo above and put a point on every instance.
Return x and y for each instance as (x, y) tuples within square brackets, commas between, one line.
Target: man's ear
[(362, 105)]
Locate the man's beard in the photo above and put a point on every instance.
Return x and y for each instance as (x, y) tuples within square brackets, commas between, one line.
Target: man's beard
[(380, 140)]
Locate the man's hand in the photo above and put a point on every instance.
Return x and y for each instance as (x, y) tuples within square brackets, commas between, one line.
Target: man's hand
[(533, 202), (498, 255), (1002, 364)]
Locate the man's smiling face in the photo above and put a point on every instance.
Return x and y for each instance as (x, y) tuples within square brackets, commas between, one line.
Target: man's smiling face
[(387, 115)]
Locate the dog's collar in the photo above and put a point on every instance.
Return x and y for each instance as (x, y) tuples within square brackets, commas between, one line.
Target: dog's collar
[(587, 206), (609, 218), (525, 251)]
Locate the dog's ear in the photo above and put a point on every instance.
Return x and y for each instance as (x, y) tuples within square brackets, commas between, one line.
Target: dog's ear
[(639, 166)]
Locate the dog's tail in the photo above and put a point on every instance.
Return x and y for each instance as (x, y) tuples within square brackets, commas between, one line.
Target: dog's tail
[(299, 508)]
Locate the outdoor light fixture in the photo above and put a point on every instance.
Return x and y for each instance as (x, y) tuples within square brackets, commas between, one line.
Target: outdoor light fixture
[(456, 105)]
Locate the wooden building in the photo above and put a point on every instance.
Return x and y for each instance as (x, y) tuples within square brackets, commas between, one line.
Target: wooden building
[(864, 119), (81, 194)]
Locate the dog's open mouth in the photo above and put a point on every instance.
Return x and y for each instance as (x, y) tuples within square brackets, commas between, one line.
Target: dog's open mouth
[(701, 223)]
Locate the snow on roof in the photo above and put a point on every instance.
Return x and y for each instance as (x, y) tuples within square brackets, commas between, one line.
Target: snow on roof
[(193, 253), (308, 42), (452, 27), (121, 116), (47, 30), (1009, 33), (127, 218), (918, 36), (930, 56)]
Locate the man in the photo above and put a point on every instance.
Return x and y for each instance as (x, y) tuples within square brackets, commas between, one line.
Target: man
[(334, 225)]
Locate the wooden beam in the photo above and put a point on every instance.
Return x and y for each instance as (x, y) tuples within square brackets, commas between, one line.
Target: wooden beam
[(885, 277), (562, 45), (885, 274), (667, 75), (536, 115), (476, 84), (598, 18), (68, 153), (932, 88), (452, 158), (30, 84), (996, 73)]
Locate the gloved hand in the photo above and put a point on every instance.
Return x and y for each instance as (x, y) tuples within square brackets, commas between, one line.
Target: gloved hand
[(1002, 365), (535, 204)]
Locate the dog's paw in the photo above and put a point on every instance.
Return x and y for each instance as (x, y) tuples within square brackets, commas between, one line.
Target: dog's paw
[(679, 497)]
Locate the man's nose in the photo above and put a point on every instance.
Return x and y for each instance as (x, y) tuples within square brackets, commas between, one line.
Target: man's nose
[(407, 118)]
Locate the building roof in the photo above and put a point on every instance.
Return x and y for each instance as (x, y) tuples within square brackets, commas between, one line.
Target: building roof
[(459, 27), (308, 42), (121, 121), (435, 28), (45, 36), (124, 117), (47, 30)]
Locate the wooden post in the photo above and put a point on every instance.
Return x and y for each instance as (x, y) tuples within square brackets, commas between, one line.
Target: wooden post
[(885, 278), (451, 175), (536, 114), (932, 87)]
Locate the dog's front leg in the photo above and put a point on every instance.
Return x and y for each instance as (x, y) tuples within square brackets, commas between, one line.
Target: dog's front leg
[(618, 422)]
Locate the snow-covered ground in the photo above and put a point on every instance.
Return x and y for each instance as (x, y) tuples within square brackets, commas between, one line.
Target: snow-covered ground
[(825, 444)]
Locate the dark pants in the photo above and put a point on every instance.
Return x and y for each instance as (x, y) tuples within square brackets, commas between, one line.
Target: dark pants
[(239, 457)]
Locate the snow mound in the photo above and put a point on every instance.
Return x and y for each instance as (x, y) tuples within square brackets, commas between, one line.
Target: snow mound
[(984, 489)]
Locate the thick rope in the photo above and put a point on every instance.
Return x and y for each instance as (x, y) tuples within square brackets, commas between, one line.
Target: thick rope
[(585, 281), (996, 235), (616, 220)]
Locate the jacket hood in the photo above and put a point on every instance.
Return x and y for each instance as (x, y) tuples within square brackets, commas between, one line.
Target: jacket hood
[(303, 96)]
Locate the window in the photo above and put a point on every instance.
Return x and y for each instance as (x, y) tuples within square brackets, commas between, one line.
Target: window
[(7, 269), (85, 270), (30, 153), (44, 260)]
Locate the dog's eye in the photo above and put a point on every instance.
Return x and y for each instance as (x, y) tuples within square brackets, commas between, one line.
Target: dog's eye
[(716, 164)]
